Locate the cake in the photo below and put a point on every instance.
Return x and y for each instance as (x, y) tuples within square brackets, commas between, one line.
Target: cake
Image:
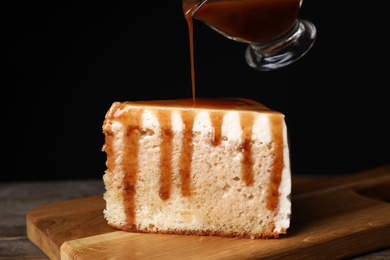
[(210, 167)]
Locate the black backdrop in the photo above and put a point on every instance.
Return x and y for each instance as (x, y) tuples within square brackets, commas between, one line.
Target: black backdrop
[(71, 60)]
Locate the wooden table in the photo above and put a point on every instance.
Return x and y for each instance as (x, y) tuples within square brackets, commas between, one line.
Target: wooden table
[(18, 198)]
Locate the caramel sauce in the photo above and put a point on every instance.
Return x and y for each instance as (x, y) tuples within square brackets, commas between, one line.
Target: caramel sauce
[(188, 8), (276, 124), (131, 119), (216, 121), (108, 148), (188, 117), (246, 147), (130, 168), (164, 117), (206, 103)]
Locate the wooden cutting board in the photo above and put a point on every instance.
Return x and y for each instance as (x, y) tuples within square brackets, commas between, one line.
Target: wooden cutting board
[(332, 218)]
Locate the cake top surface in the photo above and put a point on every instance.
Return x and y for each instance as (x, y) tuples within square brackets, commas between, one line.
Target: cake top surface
[(205, 103)]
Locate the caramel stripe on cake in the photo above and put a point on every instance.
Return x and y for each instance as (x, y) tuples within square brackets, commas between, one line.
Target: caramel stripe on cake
[(216, 121), (276, 125), (130, 163), (164, 118), (108, 148), (246, 147), (188, 117)]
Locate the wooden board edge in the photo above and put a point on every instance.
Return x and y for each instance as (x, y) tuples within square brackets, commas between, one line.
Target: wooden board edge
[(340, 248), (40, 238), (78, 248), (41, 235), (67, 252)]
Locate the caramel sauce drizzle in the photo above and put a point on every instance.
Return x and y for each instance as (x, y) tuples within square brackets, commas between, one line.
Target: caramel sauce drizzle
[(276, 125), (188, 8), (130, 168), (130, 164), (131, 119), (216, 121), (247, 120), (164, 117), (188, 117), (108, 148)]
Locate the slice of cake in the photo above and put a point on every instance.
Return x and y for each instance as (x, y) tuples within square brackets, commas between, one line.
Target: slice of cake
[(213, 167)]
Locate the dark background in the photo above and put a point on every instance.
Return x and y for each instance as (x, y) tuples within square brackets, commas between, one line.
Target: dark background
[(71, 60)]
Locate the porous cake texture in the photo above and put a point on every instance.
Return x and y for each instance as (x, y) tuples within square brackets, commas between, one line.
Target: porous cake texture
[(213, 167)]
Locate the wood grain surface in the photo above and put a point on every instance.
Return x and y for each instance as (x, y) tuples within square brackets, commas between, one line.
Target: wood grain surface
[(332, 218)]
